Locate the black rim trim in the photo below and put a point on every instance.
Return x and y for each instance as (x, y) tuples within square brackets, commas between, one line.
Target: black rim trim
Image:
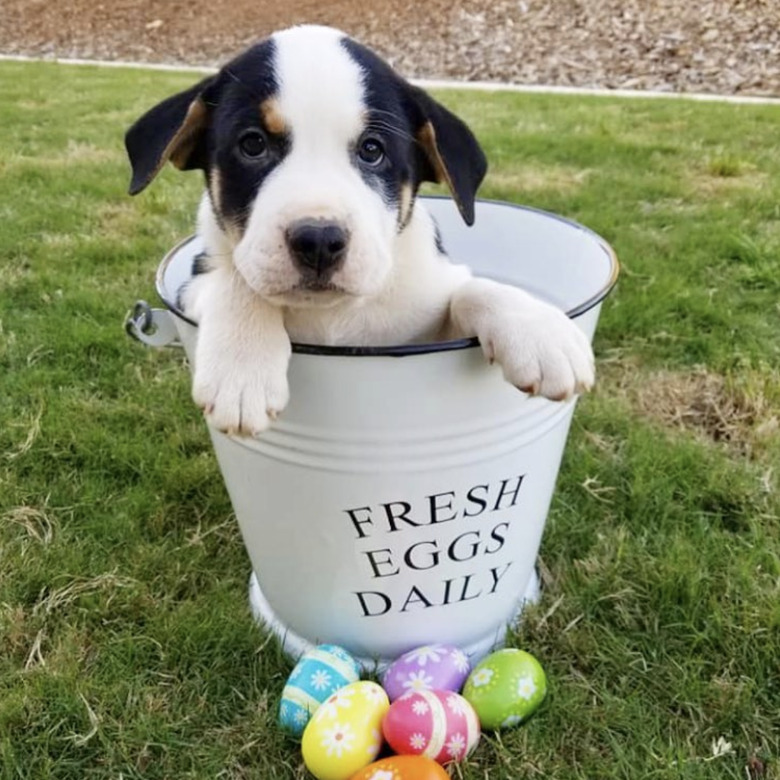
[(401, 350)]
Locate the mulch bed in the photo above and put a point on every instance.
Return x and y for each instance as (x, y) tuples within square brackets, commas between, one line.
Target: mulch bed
[(718, 46)]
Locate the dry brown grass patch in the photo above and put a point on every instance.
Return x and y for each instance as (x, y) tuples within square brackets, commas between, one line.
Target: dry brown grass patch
[(120, 220), (64, 596), (75, 153), (530, 178), (36, 523), (33, 430), (739, 412), (711, 184), (14, 629)]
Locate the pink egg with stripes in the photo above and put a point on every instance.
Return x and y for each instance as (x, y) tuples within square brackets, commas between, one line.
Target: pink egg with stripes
[(440, 725)]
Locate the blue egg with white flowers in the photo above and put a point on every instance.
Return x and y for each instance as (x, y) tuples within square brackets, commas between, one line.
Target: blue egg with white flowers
[(318, 674)]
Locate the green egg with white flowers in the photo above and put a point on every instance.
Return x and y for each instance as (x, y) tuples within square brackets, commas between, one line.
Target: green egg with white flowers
[(506, 688)]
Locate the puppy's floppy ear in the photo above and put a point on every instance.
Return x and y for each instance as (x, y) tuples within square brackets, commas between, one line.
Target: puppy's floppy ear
[(452, 153), (172, 130)]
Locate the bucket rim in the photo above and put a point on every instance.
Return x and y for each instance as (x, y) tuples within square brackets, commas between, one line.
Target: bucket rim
[(402, 350)]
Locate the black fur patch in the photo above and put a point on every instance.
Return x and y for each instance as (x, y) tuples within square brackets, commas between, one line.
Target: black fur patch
[(439, 240), (200, 265), (244, 84), (388, 118), (427, 142)]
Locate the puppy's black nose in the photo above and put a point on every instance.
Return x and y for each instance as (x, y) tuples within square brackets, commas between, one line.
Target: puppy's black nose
[(317, 245)]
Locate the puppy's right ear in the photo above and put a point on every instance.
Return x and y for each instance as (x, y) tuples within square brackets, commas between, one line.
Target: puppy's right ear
[(172, 130)]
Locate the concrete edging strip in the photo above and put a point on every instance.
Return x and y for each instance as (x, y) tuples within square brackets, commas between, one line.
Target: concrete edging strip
[(480, 86)]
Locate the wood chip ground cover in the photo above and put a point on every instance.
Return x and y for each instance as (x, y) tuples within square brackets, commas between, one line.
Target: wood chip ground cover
[(722, 46)]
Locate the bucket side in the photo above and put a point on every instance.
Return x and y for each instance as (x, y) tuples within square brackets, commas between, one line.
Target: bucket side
[(400, 501), (381, 562)]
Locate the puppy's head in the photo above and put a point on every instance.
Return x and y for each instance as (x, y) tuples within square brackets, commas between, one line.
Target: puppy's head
[(314, 150)]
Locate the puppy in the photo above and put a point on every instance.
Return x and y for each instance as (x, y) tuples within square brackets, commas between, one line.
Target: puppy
[(313, 150)]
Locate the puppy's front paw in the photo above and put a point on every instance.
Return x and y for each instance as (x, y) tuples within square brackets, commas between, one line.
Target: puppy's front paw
[(542, 352), (242, 399)]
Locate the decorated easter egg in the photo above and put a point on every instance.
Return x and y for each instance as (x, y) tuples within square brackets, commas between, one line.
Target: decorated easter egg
[(317, 675), (402, 768), (440, 725), (440, 667), (345, 733), (506, 688)]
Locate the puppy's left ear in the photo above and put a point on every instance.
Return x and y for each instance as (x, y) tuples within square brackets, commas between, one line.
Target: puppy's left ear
[(452, 154), (172, 130)]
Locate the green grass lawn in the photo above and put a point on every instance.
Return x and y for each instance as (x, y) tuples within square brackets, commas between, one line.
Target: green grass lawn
[(126, 645)]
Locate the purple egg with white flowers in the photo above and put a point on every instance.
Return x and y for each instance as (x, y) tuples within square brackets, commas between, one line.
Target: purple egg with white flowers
[(440, 667)]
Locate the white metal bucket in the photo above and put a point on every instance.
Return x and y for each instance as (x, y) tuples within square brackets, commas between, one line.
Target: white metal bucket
[(401, 497)]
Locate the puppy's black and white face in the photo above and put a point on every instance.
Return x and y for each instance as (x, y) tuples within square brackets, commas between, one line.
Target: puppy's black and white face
[(313, 150)]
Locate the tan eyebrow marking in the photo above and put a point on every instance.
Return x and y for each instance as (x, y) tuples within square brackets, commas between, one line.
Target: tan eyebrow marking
[(272, 116)]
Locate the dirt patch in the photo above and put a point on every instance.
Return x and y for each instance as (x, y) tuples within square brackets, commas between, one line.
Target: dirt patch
[(725, 46)]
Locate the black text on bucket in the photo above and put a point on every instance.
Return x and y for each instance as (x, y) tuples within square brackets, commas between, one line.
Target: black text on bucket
[(406, 518)]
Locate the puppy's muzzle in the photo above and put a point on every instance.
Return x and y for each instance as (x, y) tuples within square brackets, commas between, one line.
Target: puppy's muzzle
[(318, 247)]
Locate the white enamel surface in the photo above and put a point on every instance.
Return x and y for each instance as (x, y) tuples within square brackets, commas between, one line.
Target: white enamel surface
[(364, 432), (296, 645)]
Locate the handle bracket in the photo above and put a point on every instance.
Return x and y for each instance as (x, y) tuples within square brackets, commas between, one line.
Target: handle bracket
[(154, 327)]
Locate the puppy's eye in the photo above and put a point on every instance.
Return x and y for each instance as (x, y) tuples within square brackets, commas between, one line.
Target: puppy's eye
[(252, 145), (371, 151)]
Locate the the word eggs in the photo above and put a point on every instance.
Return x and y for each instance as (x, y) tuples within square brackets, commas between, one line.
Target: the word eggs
[(440, 725), (439, 667), (345, 733), (402, 768), (317, 675), (506, 688)]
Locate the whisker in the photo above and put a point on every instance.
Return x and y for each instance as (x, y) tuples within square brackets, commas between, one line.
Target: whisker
[(384, 127)]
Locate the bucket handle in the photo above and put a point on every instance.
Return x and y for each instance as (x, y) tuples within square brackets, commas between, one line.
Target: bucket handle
[(154, 327)]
